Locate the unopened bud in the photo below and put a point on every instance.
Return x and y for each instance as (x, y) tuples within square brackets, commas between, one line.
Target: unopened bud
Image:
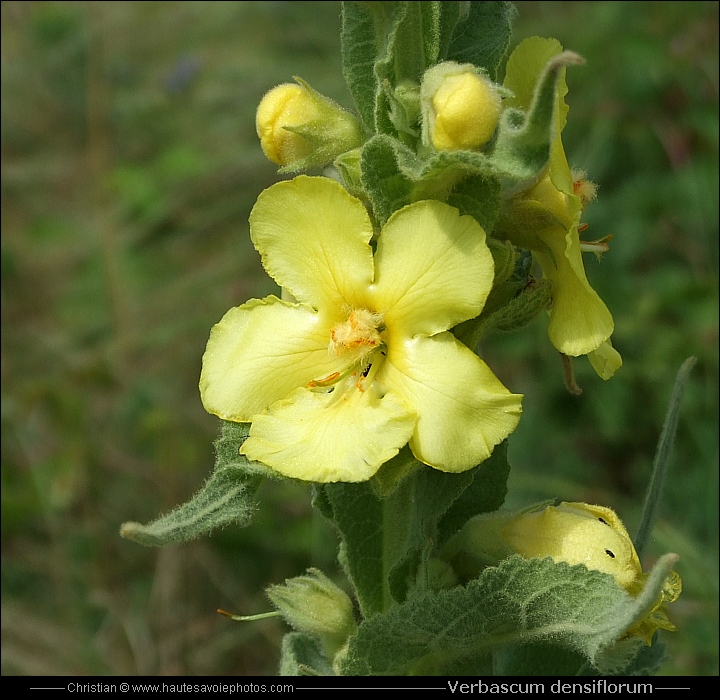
[(574, 533), (299, 128), (313, 604), (461, 108)]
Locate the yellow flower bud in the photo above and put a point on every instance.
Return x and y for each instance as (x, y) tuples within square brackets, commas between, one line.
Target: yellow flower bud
[(461, 108), (300, 128), (574, 533), (285, 105), (577, 533)]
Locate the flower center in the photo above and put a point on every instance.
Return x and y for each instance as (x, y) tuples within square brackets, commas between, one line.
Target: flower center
[(358, 336), (357, 339)]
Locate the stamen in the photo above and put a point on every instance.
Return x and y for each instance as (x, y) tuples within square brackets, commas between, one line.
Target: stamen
[(583, 188), (358, 341), (359, 335), (330, 379), (601, 245)]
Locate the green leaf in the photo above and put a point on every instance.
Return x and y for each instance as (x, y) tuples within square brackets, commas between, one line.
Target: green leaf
[(482, 34), (450, 15), (485, 494), (385, 44), (662, 455), (302, 655), (386, 187), (412, 45), (647, 661), (389, 23), (506, 310), (478, 196), (368, 45), (357, 514), (359, 47), (540, 659), (547, 659), (227, 450), (523, 143), (389, 527), (518, 602), (412, 513), (393, 175), (226, 497)]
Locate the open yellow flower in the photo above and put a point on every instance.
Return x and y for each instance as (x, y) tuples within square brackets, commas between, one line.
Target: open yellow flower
[(363, 363), (545, 219)]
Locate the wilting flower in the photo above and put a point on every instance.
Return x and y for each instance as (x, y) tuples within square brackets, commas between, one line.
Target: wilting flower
[(461, 108), (363, 363), (575, 533), (545, 219)]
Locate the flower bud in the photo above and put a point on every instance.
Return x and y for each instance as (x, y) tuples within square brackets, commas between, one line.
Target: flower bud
[(574, 533), (313, 604), (300, 128), (461, 108), (577, 533)]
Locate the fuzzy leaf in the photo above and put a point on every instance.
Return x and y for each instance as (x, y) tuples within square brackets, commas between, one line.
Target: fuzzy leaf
[(387, 188), (546, 659), (482, 35), (302, 655), (393, 175), (226, 497), (359, 49), (357, 514), (518, 602), (451, 12), (523, 144), (412, 514), (369, 35), (478, 196), (485, 494), (406, 501)]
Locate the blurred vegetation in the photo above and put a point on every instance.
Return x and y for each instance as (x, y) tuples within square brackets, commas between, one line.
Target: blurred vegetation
[(129, 167)]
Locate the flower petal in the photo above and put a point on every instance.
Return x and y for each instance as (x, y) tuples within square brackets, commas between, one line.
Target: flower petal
[(579, 320), (433, 269), (605, 360), (314, 240), (258, 353), (328, 437), (524, 67), (464, 410)]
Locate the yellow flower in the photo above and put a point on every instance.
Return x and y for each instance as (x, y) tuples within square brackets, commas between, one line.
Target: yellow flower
[(545, 219), (461, 108), (575, 533), (363, 363)]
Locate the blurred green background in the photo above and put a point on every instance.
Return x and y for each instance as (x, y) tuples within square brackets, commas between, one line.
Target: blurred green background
[(129, 167)]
